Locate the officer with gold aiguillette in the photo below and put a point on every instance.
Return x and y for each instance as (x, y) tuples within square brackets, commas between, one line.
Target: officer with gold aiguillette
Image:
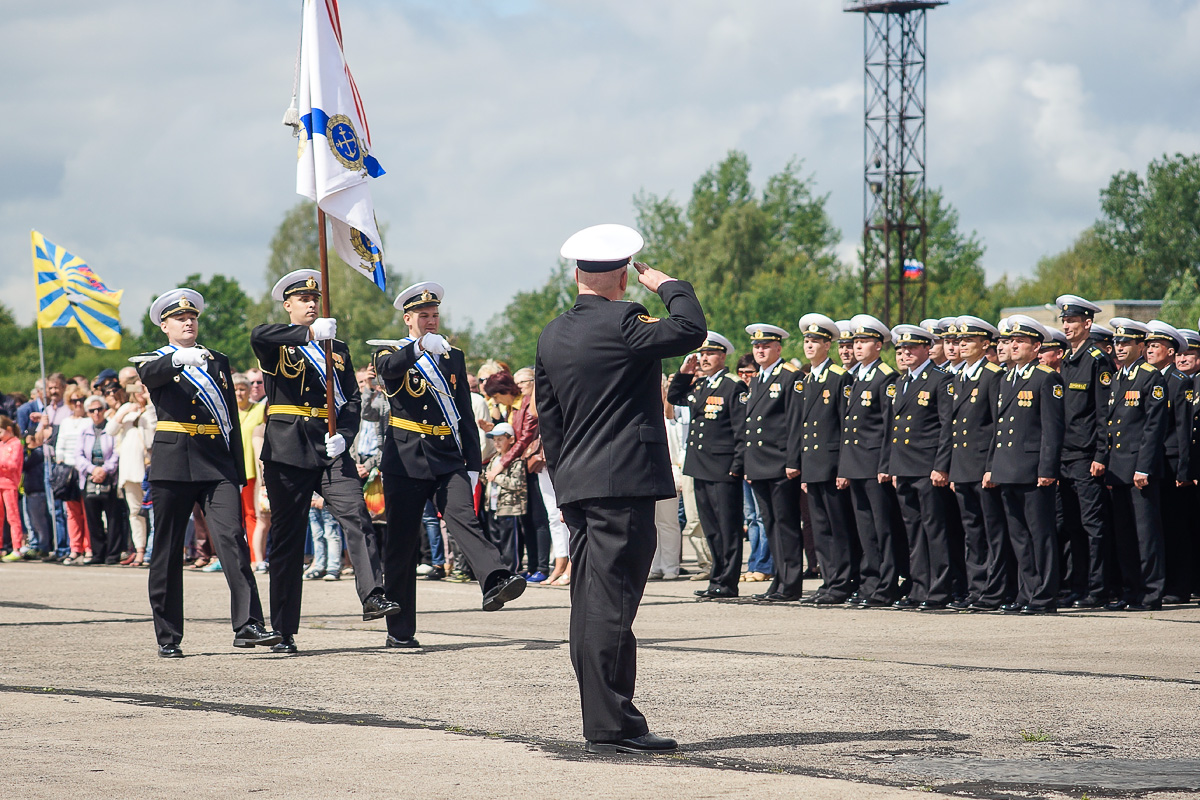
[(431, 452), (197, 461), (300, 457)]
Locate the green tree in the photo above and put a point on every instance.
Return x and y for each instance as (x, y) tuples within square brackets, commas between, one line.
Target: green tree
[(361, 310), (512, 335), (224, 326)]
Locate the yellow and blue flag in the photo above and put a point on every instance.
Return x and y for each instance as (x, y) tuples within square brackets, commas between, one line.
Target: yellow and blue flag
[(71, 295)]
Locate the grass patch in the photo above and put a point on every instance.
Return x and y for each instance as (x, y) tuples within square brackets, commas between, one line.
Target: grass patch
[(1035, 736)]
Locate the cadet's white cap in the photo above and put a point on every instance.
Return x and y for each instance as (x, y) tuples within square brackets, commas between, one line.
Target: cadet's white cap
[(1022, 325), (968, 325), (1072, 305), (762, 332), (603, 248), (1131, 329), (300, 281), (715, 341), (911, 334), (819, 325), (425, 293), (1162, 332), (176, 301), (865, 326)]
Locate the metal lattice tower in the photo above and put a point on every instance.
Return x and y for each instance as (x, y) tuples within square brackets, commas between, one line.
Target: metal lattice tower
[(894, 41)]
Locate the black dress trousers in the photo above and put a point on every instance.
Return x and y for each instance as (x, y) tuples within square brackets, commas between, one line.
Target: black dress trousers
[(612, 544), (404, 500), (873, 505), (291, 489), (987, 553), (1030, 512), (719, 505), (222, 505), (779, 503), (1137, 522), (1083, 527), (923, 507), (106, 540), (833, 527)]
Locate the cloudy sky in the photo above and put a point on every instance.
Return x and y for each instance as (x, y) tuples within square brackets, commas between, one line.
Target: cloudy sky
[(146, 137)]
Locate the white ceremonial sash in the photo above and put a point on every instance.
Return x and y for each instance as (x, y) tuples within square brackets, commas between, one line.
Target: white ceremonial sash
[(210, 394), (442, 393), (316, 356)]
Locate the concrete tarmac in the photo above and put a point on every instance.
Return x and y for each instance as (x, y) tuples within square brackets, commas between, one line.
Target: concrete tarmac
[(775, 701)]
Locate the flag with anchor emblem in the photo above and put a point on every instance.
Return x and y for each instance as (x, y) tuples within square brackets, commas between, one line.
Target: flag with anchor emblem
[(335, 163)]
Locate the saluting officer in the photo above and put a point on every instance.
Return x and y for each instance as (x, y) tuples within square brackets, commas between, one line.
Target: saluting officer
[(769, 416), (1137, 428), (973, 423), (600, 413), (860, 462), (1162, 343), (822, 409), (1087, 375), (197, 461), (715, 454), (431, 452), (300, 457), (1024, 463), (916, 455)]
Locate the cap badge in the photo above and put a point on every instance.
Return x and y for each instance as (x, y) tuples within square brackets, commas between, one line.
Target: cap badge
[(310, 284), (184, 303), (814, 328)]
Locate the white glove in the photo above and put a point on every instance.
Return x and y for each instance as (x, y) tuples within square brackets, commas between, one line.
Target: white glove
[(474, 476), (335, 445), (324, 328), (188, 357), (434, 343)]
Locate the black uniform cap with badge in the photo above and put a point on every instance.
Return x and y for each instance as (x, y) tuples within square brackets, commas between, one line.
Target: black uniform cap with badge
[(300, 281), (176, 302), (819, 326), (1072, 305)]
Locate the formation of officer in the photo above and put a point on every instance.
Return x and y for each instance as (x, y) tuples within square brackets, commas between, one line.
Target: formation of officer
[(198, 463), (300, 457)]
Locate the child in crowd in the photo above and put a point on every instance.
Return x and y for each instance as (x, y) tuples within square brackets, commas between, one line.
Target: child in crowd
[(12, 462), (506, 498), (326, 541)]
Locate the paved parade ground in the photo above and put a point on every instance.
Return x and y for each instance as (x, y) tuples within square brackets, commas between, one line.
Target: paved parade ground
[(777, 701)]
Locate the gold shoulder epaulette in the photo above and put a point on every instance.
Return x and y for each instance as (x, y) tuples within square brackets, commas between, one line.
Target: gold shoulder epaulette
[(729, 376), (886, 368), (790, 367), (1147, 367), (836, 370), (1044, 368), (1096, 352), (990, 367)]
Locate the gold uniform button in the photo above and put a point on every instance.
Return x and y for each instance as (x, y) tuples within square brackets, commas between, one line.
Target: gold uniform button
[(193, 416)]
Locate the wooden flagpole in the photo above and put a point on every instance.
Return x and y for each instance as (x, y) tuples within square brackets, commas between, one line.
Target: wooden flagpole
[(326, 305)]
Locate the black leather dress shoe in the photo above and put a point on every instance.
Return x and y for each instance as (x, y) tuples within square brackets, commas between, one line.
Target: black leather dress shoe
[(810, 600), (960, 605), (1173, 600), (1087, 602), (378, 606), (505, 591), (904, 604), (870, 602), (169, 651), (826, 600), (721, 592), (1011, 608), (1115, 605), (702, 593), (1156, 606), (930, 605), (404, 644), (256, 635), (984, 607), (779, 597), (646, 743), (286, 645), (1034, 611)]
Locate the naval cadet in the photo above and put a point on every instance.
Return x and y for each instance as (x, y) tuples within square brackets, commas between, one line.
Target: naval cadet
[(916, 454), (937, 352), (845, 345), (197, 462), (973, 421), (822, 409), (714, 455), (300, 457), (1087, 373), (950, 344), (1137, 428), (1024, 462), (431, 452), (860, 463), (600, 412), (771, 469), (1175, 502)]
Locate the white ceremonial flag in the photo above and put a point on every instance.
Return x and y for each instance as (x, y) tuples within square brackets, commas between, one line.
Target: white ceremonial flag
[(334, 162)]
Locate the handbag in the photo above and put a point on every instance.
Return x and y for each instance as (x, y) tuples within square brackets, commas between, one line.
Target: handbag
[(535, 457), (64, 482), (373, 493)]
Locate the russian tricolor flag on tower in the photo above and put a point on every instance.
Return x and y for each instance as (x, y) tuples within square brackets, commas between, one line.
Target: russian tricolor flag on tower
[(334, 160)]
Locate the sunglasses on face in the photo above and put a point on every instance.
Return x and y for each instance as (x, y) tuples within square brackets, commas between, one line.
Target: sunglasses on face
[(747, 372), (95, 411), (76, 402)]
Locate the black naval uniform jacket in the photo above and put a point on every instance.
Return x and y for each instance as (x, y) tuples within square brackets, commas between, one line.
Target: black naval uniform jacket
[(771, 419), (1177, 441), (599, 393), (821, 409), (1029, 429), (426, 455), (1137, 425), (1194, 454), (973, 420), (920, 424), (715, 448), (866, 424), (1087, 377), (181, 456), (290, 380)]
